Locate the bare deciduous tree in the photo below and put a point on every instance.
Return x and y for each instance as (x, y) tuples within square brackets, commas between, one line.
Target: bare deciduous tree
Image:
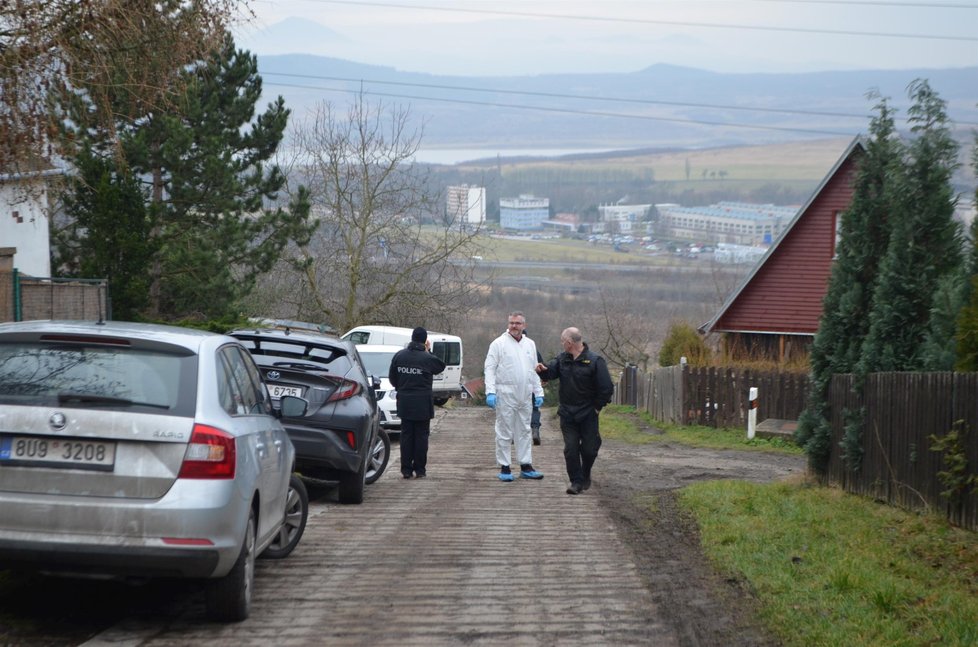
[(382, 253), (622, 332), (97, 50)]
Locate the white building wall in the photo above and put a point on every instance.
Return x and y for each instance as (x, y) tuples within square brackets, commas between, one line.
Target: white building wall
[(24, 225), (466, 204)]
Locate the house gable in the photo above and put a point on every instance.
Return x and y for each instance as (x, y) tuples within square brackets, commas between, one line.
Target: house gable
[(783, 294)]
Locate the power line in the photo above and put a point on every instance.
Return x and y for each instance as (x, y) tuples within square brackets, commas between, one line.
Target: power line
[(556, 95), (880, 3), (572, 111), (648, 21)]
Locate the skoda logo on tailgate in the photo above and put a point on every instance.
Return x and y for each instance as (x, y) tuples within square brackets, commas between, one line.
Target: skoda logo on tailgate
[(274, 375), (57, 421)]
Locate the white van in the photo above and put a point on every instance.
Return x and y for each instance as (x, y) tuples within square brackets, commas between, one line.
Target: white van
[(447, 348)]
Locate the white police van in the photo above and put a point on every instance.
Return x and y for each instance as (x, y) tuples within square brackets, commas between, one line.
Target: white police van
[(447, 348)]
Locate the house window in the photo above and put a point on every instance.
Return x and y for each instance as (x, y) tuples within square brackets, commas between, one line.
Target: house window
[(837, 217)]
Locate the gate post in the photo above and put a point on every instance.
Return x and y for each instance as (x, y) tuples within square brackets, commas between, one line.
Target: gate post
[(752, 413), (17, 305)]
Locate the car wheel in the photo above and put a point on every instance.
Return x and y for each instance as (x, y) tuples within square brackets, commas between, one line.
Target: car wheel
[(352, 483), (440, 401), (296, 514), (379, 455), (229, 597)]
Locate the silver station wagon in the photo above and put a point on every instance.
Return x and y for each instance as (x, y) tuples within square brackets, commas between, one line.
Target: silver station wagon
[(140, 450)]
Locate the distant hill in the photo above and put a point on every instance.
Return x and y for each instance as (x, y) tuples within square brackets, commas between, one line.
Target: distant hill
[(667, 106)]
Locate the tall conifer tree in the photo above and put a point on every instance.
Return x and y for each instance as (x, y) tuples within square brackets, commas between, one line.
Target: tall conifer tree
[(924, 251), (213, 189), (109, 232), (925, 243), (210, 191), (864, 234), (966, 335)]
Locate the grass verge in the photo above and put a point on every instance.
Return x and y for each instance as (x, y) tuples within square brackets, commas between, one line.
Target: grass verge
[(626, 424), (830, 568), (827, 568)]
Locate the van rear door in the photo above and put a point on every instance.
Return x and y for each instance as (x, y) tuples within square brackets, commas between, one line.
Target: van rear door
[(448, 349)]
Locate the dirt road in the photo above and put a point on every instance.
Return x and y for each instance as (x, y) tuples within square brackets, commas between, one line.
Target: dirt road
[(461, 558)]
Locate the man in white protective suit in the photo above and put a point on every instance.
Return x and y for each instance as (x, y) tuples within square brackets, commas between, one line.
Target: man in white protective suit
[(511, 379)]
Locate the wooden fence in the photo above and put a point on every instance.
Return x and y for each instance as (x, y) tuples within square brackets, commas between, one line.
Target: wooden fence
[(714, 397), (23, 298), (902, 412)]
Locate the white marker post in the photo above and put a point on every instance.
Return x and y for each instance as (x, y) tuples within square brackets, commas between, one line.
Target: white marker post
[(752, 413)]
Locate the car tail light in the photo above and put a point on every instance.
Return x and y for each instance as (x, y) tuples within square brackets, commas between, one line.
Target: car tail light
[(345, 389), (210, 454)]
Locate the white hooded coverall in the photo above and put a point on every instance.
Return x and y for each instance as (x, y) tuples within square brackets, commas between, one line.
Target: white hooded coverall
[(511, 374)]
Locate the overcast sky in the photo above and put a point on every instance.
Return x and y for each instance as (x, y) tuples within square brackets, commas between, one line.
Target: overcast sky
[(502, 37)]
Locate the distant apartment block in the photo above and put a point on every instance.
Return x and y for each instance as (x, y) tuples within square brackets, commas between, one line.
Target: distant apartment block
[(739, 223), (466, 204), (525, 213), (623, 217)]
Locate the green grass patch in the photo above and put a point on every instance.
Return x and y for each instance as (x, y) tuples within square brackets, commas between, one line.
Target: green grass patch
[(566, 250), (829, 568), (628, 425)]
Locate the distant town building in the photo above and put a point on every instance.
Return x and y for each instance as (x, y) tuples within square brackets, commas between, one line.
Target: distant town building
[(525, 213), (728, 253), (739, 223), (623, 217), (466, 204)]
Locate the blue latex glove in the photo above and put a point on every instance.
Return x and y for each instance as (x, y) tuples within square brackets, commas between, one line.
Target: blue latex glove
[(538, 401), (491, 400)]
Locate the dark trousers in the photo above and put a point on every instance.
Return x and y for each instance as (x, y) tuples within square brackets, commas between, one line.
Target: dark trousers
[(535, 417), (414, 446), (581, 444)]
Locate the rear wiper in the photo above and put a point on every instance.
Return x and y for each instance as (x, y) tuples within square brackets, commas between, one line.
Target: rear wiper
[(92, 398), (300, 365)]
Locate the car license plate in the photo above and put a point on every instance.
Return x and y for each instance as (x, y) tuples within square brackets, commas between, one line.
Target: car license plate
[(278, 390), (35, 451)]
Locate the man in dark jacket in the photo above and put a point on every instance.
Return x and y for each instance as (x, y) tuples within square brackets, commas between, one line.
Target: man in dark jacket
[(411, 374), (585, 388)]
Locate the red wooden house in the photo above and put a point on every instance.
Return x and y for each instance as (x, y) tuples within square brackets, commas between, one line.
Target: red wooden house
[(775, 311)]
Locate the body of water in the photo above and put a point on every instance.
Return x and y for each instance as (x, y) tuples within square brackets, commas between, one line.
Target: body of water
[(456, 155)]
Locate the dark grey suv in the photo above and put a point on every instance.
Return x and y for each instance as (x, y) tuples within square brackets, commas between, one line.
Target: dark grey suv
[(338, 440)]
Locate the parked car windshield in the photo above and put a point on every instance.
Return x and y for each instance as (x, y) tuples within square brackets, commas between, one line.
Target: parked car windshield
[(377, 364), (95, 376)]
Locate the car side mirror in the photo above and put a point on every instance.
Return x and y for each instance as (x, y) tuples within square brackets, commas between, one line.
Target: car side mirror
[(374, 382), (292, 407)]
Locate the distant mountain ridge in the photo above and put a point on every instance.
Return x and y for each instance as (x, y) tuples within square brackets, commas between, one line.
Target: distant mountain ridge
[(666, 105)]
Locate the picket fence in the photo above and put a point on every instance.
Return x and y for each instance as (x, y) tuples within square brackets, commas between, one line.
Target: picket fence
[(903, 414), (903, 411), (714, 397)]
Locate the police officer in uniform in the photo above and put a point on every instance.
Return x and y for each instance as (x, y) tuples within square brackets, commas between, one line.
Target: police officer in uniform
[(411, 375)]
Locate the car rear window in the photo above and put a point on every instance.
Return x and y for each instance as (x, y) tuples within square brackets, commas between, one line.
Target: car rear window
[(79, 375), (295, 353)]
